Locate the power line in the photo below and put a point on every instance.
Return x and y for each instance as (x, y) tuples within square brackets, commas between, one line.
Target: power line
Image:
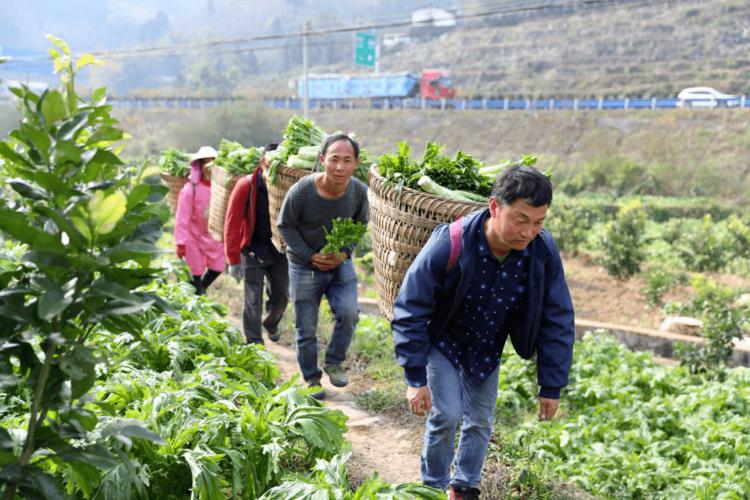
[(177, 49)]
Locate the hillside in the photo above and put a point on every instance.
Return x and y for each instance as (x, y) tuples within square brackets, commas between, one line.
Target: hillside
[(621, 49), (698, 151)]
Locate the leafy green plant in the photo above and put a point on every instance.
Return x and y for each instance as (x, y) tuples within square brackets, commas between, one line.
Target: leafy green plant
[(329, 480), (622, 244), (88, 228), (460, 173), (630, 428), (237, 159), (722, 325), (174, 162), (658, 282), (344, 232)]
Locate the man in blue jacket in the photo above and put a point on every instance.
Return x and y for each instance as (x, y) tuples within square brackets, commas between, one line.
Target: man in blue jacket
[(494, 273)]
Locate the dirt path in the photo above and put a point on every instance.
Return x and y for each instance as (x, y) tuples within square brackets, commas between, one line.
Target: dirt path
[(378, 444)]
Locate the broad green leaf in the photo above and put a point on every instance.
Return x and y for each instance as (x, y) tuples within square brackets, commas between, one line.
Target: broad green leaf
[(52, 302), (37, 137), (80, 365), (47, 258), (53, 106), (63, 223), (131, 429), (16, 225), (100, 158), (52, 183), (138, 194), (82, 226), (114, 290), (27, 190), (46, 485), (105, 136), (69, 129), (106, 211), (132, 250), (67, 152), (7, 152), (98, 94), (117, 307)]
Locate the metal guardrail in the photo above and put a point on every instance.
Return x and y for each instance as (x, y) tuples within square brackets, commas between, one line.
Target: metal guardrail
[(503, 104), (418, 103)]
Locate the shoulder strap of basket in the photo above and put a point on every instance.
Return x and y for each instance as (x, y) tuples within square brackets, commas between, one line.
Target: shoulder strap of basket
[(456, 233), (249, 194)]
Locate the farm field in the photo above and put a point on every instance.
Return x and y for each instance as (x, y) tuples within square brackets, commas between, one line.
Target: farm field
[(119, 382)]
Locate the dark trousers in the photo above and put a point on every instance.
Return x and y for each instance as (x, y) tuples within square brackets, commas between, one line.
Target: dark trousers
[(275, 270)]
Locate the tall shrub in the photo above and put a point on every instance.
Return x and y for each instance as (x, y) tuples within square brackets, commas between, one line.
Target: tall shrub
[(89, 231), (622, 242)]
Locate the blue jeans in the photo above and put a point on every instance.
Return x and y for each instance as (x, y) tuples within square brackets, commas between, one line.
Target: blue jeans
[(456, 397), (308, 286)]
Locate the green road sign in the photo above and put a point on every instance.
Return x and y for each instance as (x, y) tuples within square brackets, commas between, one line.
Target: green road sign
[(364, 49)]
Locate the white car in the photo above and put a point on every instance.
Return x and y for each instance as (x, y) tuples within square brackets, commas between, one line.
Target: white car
[(705, 97)]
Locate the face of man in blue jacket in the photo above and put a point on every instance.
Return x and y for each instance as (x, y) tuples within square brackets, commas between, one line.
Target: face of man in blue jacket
[(513, 226)]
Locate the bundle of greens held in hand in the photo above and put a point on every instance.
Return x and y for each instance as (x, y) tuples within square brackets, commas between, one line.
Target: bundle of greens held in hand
[(174, 162), (462, 178), (237, 159), (344, 232)]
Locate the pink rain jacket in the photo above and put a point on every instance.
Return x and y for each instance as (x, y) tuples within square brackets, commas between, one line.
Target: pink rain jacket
[(191, 228)]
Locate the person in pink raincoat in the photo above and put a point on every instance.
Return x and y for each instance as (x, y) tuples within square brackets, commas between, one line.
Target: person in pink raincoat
[(201, 252)]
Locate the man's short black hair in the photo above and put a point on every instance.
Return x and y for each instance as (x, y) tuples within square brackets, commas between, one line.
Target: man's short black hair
[(271, 147), (337, 137), (517, 182)]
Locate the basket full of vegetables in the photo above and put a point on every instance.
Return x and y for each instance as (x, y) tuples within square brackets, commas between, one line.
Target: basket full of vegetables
[(409, 198), (232, 162), (175, 167)]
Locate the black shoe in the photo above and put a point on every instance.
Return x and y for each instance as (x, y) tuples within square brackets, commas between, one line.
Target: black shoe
[(316, 390), (273, 331), (463, 493)]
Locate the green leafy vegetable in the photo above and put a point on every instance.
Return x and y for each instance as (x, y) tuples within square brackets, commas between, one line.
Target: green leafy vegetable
[(237, 159), (175, 162), (344, 232)]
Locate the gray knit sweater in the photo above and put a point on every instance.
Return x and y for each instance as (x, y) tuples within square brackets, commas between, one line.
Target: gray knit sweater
[(305, 213)]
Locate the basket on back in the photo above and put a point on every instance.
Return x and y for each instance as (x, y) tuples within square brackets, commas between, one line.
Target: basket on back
[(222, 183), (175, 185), (286, 177), (401, 222)]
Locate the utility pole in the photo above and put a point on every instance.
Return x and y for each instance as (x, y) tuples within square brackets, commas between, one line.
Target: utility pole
[(305, 78), (377, 53)]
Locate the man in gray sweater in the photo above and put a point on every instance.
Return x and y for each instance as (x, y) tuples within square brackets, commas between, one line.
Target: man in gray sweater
[(307, 213)]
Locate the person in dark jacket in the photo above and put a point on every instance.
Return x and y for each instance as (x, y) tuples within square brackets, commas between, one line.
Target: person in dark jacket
[(492, 274), (251, 254)]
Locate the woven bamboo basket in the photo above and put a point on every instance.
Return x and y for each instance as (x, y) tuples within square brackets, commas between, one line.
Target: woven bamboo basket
[(222, 184), (175, 185), (400, 225), (286, 177)]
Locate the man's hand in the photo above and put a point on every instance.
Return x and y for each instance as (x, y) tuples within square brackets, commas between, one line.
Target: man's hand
[(419, 400), (235, 271), (180, 251), (328, 261), (547, 408)]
